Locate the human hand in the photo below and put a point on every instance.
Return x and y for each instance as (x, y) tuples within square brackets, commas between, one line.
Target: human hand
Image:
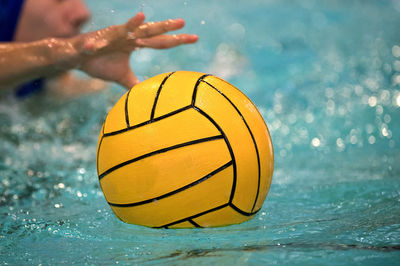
[(105, 53)]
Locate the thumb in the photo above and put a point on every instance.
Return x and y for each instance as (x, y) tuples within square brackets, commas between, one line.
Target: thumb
[(129, 80)]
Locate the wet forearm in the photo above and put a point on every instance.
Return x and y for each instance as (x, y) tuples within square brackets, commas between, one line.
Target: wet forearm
[(21, 62)]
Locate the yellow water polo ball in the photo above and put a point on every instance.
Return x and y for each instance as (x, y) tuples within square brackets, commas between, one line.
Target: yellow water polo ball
[(184, 150)]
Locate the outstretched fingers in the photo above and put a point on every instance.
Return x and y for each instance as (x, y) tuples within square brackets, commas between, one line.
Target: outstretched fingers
[(152, 29), (152, 34), (167, 41)]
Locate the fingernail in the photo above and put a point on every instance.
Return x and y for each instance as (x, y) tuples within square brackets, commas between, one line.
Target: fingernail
[(180, 20)]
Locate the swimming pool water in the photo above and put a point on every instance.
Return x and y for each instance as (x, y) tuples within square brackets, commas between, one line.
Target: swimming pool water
[(326, 77)]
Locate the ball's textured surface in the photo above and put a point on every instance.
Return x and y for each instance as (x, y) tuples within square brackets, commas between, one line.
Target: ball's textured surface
[(184, 149)]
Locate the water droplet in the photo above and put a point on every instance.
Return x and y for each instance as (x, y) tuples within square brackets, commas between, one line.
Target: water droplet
[(385, 95), (384, 130), (309, 118), (316, 142), (396, 65), (396, 79), (330, 107), (372, 101), (398, 100), (369, 128), (371, 139), (82, 170), (387, 118), (340, 143), (278, 108), (285, 130), (353, 139), (396, 51), (379, 110), (358, 89)]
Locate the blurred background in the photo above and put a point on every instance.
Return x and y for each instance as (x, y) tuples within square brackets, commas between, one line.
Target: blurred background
[(326, 77)]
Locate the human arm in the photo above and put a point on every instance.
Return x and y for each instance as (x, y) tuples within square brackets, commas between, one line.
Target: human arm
[(102, 54)]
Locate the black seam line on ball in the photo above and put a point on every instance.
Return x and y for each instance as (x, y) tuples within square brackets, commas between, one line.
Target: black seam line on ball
[(241, 211), (148, 122), (197, 141), (153, 110), (252, 137), (194, 223), (194, 216), (195, 88), (98, 150), (229, 148), (126, 109), (204, 178)]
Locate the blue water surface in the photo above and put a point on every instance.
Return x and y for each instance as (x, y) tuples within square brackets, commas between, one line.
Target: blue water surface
[(326, 77)]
